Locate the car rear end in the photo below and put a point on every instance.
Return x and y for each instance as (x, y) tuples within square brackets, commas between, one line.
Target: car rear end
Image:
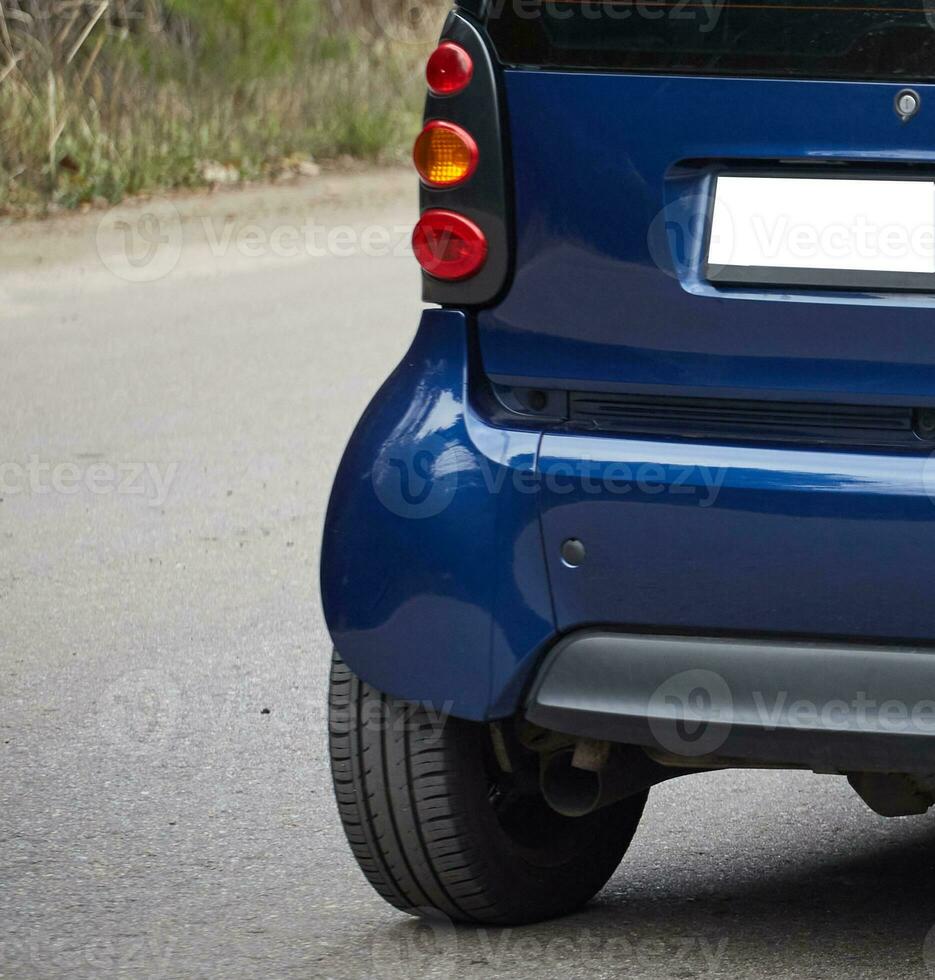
[(656, 472)]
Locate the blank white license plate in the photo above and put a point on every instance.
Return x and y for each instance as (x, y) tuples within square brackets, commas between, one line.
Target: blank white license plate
[(823, 231)]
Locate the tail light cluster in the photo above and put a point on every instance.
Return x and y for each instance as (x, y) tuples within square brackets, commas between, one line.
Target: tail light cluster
[(461, 238)]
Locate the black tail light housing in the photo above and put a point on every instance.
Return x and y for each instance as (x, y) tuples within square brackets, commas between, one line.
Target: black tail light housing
[(482, 198)]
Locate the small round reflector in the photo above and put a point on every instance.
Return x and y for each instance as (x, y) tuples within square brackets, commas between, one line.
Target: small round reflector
[(444, 154), (448, 245), (449, 69)]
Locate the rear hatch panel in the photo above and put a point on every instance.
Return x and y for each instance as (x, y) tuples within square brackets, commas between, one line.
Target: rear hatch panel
[(614, 175)]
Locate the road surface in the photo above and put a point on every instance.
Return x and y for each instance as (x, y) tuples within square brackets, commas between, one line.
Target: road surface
[(178, 380)]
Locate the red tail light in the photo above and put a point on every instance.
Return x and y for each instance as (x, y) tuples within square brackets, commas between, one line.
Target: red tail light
[(448, 245), (449, 69)]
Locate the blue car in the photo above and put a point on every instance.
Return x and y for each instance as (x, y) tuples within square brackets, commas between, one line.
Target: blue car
[(651, 494)]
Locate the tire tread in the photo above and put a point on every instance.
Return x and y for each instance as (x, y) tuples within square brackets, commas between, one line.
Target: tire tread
[(405, 798)]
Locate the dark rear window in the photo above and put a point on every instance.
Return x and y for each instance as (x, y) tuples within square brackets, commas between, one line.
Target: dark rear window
[(856, 39)]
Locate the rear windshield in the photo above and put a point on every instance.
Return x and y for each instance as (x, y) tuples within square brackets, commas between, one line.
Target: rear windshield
[(856, 39)]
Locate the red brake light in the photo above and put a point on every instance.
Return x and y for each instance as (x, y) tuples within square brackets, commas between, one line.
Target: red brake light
[(448, 245), (449, 69)]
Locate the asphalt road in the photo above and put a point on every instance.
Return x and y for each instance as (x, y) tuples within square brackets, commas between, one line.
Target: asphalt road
[(167, 449)]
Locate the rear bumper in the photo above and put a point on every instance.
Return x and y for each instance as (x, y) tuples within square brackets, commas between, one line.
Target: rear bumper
[(442, 576), (433, 581), (831, 708)]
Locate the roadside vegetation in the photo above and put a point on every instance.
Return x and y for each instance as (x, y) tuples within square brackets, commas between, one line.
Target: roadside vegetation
[(100, 99)]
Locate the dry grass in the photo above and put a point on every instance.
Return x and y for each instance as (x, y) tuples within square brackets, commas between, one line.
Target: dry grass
[(104, 98)]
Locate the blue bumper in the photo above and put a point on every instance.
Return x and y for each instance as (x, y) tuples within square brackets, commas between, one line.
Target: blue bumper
[(433, 578), (442, 577)]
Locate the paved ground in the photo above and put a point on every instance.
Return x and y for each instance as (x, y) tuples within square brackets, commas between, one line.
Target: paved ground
[(167, 449)]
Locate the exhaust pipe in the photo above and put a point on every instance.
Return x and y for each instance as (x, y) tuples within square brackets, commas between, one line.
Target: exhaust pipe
[(575, 791)]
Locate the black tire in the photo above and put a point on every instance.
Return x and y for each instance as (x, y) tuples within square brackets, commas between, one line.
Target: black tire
[(429, 822)]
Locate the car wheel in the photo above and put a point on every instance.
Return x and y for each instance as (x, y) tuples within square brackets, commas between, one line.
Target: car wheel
[(436, 825)]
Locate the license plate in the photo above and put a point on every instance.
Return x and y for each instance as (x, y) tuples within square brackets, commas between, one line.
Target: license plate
[(826, 232)]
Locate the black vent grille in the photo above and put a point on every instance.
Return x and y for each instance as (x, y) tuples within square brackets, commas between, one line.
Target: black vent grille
[(723, 418)]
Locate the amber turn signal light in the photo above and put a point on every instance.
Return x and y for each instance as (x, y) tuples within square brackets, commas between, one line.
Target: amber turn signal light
[(445, 154)]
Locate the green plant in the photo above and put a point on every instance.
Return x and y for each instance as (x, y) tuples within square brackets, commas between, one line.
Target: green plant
[(104, 98)]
